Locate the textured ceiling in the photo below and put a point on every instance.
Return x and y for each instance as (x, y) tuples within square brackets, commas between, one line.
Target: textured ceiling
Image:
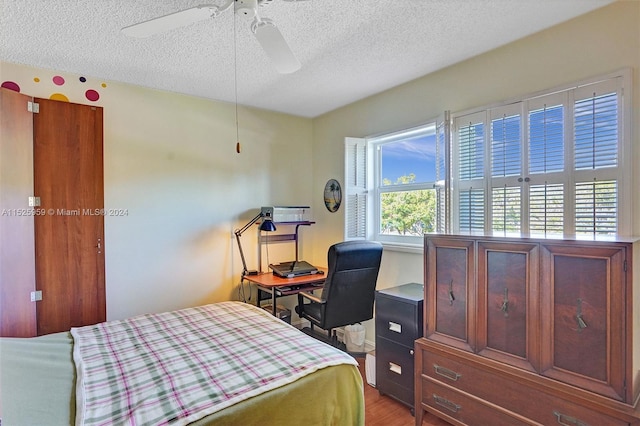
[(349, 49)]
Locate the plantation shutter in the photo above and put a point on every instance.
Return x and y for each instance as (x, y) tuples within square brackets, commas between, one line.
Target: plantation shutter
[(596, 158), (506, 171), (469, 172), (546, 208), (546, 148), (355, 189), (442, 185)]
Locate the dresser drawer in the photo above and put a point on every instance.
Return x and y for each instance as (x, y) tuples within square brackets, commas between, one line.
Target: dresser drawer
[(457, 406), (533, 404), (394, 363), (398, 321)]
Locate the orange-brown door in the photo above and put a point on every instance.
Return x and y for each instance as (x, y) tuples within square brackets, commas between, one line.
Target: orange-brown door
[(17, 275), (69, 238)]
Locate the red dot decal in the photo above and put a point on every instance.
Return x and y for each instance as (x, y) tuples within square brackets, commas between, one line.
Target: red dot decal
[(11, 86), (92, 95), (58, 81)]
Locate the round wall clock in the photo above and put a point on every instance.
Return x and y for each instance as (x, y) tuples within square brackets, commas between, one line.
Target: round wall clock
[(332, 195)]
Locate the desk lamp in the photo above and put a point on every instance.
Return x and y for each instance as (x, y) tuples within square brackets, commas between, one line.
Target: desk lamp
[(266, 225)]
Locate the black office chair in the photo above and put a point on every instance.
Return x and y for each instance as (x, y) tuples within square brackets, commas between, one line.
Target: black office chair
[(349, 289)]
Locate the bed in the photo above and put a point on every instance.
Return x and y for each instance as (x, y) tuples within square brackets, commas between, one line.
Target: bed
[(228, 363)]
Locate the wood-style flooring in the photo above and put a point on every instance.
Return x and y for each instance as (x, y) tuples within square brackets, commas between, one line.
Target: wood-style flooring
[(386, 411)]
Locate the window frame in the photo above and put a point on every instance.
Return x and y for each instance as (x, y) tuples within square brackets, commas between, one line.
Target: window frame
[(373, 188), (448, 185), (570, 176)]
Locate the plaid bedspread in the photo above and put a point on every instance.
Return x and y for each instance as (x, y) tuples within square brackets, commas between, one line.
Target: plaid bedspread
[(177, 367)]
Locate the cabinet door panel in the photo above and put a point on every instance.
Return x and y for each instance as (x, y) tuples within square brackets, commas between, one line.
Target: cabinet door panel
[(580, 315), (507, 314), (450, 292), (583, 309)]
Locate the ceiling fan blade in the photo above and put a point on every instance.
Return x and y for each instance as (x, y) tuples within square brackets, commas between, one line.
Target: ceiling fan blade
[(275, 46), (171, 21)]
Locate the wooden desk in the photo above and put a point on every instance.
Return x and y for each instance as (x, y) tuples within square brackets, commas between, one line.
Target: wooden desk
[(278, 286)]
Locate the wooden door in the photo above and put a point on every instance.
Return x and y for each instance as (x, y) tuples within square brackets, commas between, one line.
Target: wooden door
[(69, 247), (450, 291), (508, 303), (17, 275), (583, 292)]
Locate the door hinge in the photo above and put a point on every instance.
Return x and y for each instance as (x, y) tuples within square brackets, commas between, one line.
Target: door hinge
[(36, 296), (33, 107), (34, 201)]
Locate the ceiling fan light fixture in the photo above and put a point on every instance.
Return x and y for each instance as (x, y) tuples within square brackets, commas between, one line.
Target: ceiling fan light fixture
[(246, 8)]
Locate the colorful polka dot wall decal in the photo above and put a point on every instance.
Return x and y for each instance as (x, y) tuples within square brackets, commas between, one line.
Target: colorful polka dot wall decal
[(82, 80), (92, 95), (36, 79), (104, 84), (58, 80), (59, 97), (11, 85)]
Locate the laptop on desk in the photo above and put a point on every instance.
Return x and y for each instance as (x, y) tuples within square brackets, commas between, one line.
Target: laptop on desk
[(293, 269)]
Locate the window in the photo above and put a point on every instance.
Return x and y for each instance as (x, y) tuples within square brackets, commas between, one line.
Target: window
[(550, 164), (392, 186), (554, 163)]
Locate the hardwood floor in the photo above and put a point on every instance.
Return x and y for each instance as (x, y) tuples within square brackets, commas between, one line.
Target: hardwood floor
[(386, 411)]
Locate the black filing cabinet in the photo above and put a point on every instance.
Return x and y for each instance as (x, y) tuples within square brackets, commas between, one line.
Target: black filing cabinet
[(398, 324)]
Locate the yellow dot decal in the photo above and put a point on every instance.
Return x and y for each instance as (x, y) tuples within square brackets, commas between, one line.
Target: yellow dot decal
[(59, 97), (104, 84), (36, 79)]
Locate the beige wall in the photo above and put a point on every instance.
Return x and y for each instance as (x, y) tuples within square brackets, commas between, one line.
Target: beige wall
[(597, 43), (170, 160)]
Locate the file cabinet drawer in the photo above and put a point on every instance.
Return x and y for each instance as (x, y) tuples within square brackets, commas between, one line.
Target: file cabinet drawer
[(394, 363), (397, 321)]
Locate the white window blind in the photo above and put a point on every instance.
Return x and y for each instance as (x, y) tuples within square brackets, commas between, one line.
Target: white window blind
[(596, 208), (546, 139), (442, 186), (355, 189), (596, 131), (506, 145), (546, 209), (471, 151), (471, 210), (506, 209), (551, 164)]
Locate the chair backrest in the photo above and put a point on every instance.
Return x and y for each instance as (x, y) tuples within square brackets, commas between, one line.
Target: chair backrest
[(349, 289)]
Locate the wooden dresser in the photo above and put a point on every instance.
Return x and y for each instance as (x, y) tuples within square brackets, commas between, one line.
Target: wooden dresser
[(524, 331)]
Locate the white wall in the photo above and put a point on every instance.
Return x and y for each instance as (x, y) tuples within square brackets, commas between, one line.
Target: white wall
[(170, 160), (605, 40)]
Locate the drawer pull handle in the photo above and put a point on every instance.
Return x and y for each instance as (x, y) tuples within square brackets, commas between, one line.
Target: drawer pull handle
[(443, 402), (393, 326), (445, 372), (568, 420), (395, 368)]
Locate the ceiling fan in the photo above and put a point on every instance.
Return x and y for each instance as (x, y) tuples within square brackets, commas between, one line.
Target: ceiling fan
[(265, 30)]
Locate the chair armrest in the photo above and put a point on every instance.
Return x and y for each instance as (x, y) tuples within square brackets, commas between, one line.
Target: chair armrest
[(311, 297)]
